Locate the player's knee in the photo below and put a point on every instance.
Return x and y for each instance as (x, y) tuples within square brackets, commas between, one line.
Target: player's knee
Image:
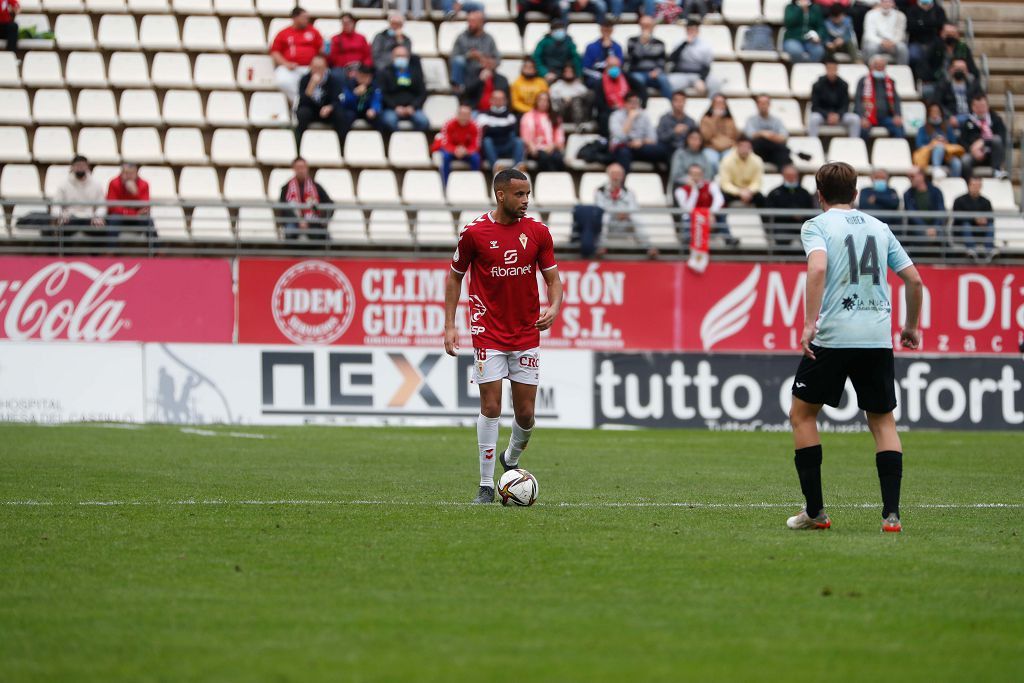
[(798, 416), (525, 416), (489, 408)]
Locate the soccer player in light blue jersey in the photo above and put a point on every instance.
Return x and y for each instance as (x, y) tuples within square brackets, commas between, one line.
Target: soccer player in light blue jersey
[(848, 334)]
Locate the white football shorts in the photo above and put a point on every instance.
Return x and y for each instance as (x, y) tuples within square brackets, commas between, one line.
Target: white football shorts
[(519, 366)]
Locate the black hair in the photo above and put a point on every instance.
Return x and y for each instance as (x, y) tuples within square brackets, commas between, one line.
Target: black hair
[(297, 11), (503, 178), (77, 158)]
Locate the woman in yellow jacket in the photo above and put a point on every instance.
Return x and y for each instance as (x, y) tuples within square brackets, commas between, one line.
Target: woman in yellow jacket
[(526, 88)]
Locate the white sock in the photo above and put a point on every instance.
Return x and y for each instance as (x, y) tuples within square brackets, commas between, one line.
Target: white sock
[(517, 443), (487, 440)]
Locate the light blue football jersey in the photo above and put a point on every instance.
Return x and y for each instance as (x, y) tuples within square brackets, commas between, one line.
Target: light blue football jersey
[(856, 310)]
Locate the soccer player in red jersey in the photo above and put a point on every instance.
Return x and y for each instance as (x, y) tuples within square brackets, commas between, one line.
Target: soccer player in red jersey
[(503, 250)]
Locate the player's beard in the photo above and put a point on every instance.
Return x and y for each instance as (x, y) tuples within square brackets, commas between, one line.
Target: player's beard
[(516, 211)]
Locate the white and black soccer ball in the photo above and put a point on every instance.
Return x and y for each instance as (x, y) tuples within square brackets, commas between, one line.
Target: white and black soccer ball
[(517, 487)]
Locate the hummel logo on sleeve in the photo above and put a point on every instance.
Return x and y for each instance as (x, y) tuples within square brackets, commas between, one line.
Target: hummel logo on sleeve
[(800, 384)]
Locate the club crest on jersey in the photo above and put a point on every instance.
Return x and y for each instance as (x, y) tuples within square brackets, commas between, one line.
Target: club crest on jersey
[(494, 244), (522, 239)]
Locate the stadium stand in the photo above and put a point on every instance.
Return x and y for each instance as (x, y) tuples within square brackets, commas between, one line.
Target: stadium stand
[(186, 88)]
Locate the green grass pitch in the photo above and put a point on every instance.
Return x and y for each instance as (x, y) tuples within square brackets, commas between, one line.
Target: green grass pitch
[(369, 567)]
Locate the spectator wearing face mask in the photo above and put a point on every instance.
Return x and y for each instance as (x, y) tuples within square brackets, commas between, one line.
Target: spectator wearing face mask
[(956, 91), (885, 32), (947, 50), (783, 229), (404, 91), (976, 233), (936, 145), (804, 29), (983, 135), (459, 140), (554, 51), (595, 57), (924, 23), (472, 50), (484, 83), (879, 199), (77, 197), (923, 196), (526, 88), (385, 42), (500, 133), (571, 98), (878, 103), (611, 96)]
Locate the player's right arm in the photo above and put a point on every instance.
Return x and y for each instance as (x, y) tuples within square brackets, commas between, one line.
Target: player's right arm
[(464, 253)]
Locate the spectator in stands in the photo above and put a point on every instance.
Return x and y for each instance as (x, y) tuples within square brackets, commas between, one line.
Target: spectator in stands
[(611, 96), (645, 60), (924, 22), (784, 229), (983, 135), (80, 192), (689, 65), (880, 200), (839, 35), (692, 190), (804, 31), (885, 32), (949, 49), (768, 134), (619, 226), (552, 8), (451, 8), (595, 57), (8, 26), (471, 50), (718, 128), (956, 91), (571, 99), (554, 51), (674, 125), (414, 9), (740, 174), (500, 133), (348, 50), (599, 8), (645, 8), (128, 186), (543, 136), (878, 103), (318, 99), (308, 218), (459, 140), (692, 153), (292, 50), (482, 84), (936, 145), (974, 230), (404, 91), (632, 136), (362, 98), (830, 103), (923, 196), (385, 42), (526, 88)]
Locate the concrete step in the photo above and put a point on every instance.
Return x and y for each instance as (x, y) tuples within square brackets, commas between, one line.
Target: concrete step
[(998, 29), (999, 48), (1004, 65), (993, 11), (1001, 83)]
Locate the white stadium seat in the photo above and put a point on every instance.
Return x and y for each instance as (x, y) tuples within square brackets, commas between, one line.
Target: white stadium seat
[(256, 72), (226, 108), (169, 222), (656, 108), (41, 70), (329, 28), (648, 188), (56, 174), (320, 148), (510, 68), (183, 108), (231, 147), (422, 188), (903, 79), (752, 55), (96, 108), (496, 9), (554, 189), (280, 176), (788, 111), (336, 181), (52, 107), (774, 10), (198, 183), (189, 7), (769, 78), (149, 6), (506, 34), (211, 222), (20, 180), (748, 229), (73, 32), (435, 74), (9, 70), (802, 78), (365, 148), (467, 187), (892, 154), (57, 6), (951, 188), (159, 32), (719, 35), (129, 70), (256, 223), (914, 114), (171, 70), (160, 178), (439, 109), (811, 146), (278, 24), (377, 187), (409, 149), (202, 34), (275, 8), (276, 147), (389, 226), (14, 145), (104, 173), (348, 226), (448, 31), (269, 109), (731, 77), (244, 184), (84, 70), (184, 147), (534, 33), (142, 146), (589, 183), (246, 34), (423, 37), (118, 32), (140, 108), (852, 73), (99, 145), (214, 71), (1000, 193), (584, 33), (851, 150), (234, 8), (741, 11), (434, 228), (105, 6)]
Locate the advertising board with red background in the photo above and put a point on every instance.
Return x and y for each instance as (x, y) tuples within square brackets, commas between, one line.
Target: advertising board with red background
[(609, 305), (115, 299)]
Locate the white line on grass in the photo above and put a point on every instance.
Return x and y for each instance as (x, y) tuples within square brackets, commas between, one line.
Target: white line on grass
[(444, 503)]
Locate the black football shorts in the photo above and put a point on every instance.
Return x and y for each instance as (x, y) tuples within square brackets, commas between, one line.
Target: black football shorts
[(872, 371)]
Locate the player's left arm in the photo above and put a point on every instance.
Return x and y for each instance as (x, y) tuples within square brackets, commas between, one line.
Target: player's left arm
[(817, 263), (548, 268)]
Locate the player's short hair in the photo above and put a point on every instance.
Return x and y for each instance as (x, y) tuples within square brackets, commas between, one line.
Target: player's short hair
[(504, 178), (837, 182), (296, 11)]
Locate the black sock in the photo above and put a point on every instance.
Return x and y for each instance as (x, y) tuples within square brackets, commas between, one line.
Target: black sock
[(808, 467), (890, 472)]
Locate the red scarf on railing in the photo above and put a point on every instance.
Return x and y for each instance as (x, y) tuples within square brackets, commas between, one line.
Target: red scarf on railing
[(309, 195), (868, 97)]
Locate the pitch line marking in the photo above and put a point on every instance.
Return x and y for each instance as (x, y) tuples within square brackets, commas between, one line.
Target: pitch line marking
[(413, 503)]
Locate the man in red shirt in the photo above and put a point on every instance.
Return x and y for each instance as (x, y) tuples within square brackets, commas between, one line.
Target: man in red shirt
[(293, 49), (504, 250), (348, 49), (8, 27), (128, 186), (459, 139)]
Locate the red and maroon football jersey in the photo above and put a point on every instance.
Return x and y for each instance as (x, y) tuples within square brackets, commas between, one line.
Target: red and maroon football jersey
[(503, 261)]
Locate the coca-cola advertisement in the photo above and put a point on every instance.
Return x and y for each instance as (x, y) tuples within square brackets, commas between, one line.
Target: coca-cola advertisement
[(401, 303), (113, 299)]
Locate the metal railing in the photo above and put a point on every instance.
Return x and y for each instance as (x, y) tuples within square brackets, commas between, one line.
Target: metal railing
[(262, 228)]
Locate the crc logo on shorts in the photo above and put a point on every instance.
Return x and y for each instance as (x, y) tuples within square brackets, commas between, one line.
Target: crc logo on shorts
[(313, 303), (531, 362)]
